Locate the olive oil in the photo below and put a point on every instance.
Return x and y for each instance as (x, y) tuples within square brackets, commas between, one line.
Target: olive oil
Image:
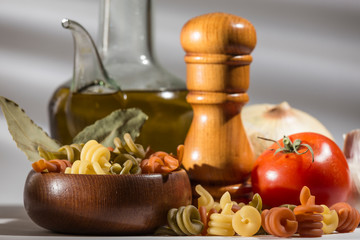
[(169, 114), (124, 61)]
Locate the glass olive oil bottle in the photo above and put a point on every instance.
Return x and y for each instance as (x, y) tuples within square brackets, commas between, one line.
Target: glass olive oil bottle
[(169, 114), (135, 79)]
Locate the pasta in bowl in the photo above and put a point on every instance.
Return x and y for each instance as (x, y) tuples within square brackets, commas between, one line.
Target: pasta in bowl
[(104, 204)]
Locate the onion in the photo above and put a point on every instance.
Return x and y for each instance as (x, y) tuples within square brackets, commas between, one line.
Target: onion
[(352, 154), (276, 121)]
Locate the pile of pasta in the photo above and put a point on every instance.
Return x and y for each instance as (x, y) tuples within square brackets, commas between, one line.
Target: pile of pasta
[(229, 218), (93, 158)]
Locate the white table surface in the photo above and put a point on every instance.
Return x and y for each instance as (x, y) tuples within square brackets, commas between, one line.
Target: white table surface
[(15, 224)]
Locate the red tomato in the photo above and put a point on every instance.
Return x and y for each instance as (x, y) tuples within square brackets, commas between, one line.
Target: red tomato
[(279, 178)]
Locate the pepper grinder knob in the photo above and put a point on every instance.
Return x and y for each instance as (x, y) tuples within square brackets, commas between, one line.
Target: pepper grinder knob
[(217, 151), (218, 47)]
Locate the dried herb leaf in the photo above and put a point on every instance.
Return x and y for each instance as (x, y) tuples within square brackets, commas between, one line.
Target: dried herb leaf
[(27, 135), (114, 125)]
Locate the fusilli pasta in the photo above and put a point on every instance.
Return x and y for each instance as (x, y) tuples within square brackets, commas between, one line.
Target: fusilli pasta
[(330, 220), (205, 218), (185, 220), (226, 198), (68, 152), (160, 162), (308, 215), (256, 202), (129, 146), (94, 159), (279, 221), (54, 165), (247, 221), (205, 198), (349, 217), (125, 164), (220, 224)]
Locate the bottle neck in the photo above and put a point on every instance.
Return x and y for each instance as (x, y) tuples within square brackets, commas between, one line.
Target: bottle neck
[(125, 46), (125, 31)]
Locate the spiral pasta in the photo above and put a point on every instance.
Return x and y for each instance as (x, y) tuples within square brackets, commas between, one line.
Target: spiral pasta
[(126, 158), (220, 224), (225, 199), (247, 221), (256, 202), (160, 162), (237, 206), (289, 206), (279, 221), (94, 159), (129, 146), (164, 231), (125, 164), (185, 220), (330, 220), (308, 215), (68, 152), (54, 165), (205, 218), (180, 153), (349, 217), (205, 198)]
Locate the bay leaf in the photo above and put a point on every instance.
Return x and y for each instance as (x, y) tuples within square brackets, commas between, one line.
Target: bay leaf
[(116, 124), (27, 135)]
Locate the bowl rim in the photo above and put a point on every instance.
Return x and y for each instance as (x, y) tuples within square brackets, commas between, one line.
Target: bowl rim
[(32, 171)]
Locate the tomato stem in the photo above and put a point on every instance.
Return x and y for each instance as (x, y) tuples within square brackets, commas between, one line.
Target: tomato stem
[(291, 147)]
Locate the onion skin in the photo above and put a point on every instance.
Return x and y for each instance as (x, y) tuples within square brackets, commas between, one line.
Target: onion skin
[(352, 153), (274, 121)]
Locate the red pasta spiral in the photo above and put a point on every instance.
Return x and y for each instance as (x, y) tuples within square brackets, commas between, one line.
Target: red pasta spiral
[(205, 218), (279, 221), (162, 162), (235, 207), (55, 165), (310, 225), (308, 215), (349, 217)]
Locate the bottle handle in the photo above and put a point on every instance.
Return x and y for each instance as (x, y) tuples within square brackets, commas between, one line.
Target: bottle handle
[(89, 73)]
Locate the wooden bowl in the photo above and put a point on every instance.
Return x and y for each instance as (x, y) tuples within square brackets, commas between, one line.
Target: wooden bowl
[(104, 204)]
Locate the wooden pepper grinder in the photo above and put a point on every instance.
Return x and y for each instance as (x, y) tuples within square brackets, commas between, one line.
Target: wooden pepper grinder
[(217, 152)]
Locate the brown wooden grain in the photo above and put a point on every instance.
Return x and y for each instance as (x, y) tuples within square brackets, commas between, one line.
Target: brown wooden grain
[(104, 204), (218, 47), (241, 192), (217, 150)]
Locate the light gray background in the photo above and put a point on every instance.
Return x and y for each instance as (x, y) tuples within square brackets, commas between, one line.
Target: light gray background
[(308, 53)]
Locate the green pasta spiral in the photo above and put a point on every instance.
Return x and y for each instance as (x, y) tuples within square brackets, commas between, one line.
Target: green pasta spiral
[(128, 146), (164, 231), (126, 157), (289, 206), (125, 164), (185, 220), (68, 152), (256, 202)]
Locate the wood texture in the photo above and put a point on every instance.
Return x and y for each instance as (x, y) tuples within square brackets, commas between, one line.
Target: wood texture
[(217, 150), (217, 47), (241, 192), (104, 204)]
